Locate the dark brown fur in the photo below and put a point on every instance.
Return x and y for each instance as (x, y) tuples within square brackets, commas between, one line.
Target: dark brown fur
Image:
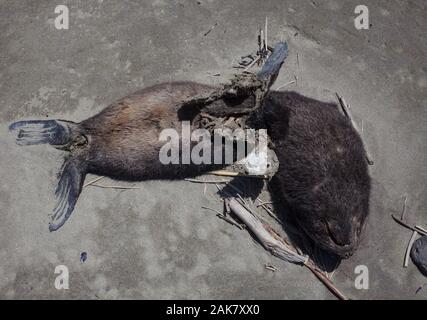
[(323, 173), (124, 137)]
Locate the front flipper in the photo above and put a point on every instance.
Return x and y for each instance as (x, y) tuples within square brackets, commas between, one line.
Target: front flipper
[(67, 192), (41, 131)]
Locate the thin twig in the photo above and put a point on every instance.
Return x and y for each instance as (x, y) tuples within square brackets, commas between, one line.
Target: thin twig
[(402, 223), (93, 181), (113, 187), (213, 27), (344, 107), (286, 84), (404, 208), (346, 110), (224, 217), (226, 173), (265, 34), (261, 203), (271, 213), (419, 228), (252, 63), (270, 267), (214, 210), (206, 181), (326, 281)]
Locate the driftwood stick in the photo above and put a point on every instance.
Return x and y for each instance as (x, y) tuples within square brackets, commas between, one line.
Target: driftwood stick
[(326, 281), (224, 217), (268, 210), (270, 243), (419, 228), (278, 246), (404, 224)]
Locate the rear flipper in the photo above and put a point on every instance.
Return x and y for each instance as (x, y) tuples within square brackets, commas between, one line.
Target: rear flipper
[(41, 131), (67, 192)]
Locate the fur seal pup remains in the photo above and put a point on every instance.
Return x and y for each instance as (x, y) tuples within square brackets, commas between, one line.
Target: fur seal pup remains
[(323, 173), (122, 141)]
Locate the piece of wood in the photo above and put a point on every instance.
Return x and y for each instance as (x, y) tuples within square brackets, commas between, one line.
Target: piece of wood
[(226, 173), (404, 224), (93, 181), (265, 34), (419, 228), (278, 246), (404, 208), (326, 281), (113, 187), (224, 217), (286, 84), (206, 181)]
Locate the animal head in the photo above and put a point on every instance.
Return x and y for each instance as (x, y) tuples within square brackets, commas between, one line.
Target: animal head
[(336, 225)]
